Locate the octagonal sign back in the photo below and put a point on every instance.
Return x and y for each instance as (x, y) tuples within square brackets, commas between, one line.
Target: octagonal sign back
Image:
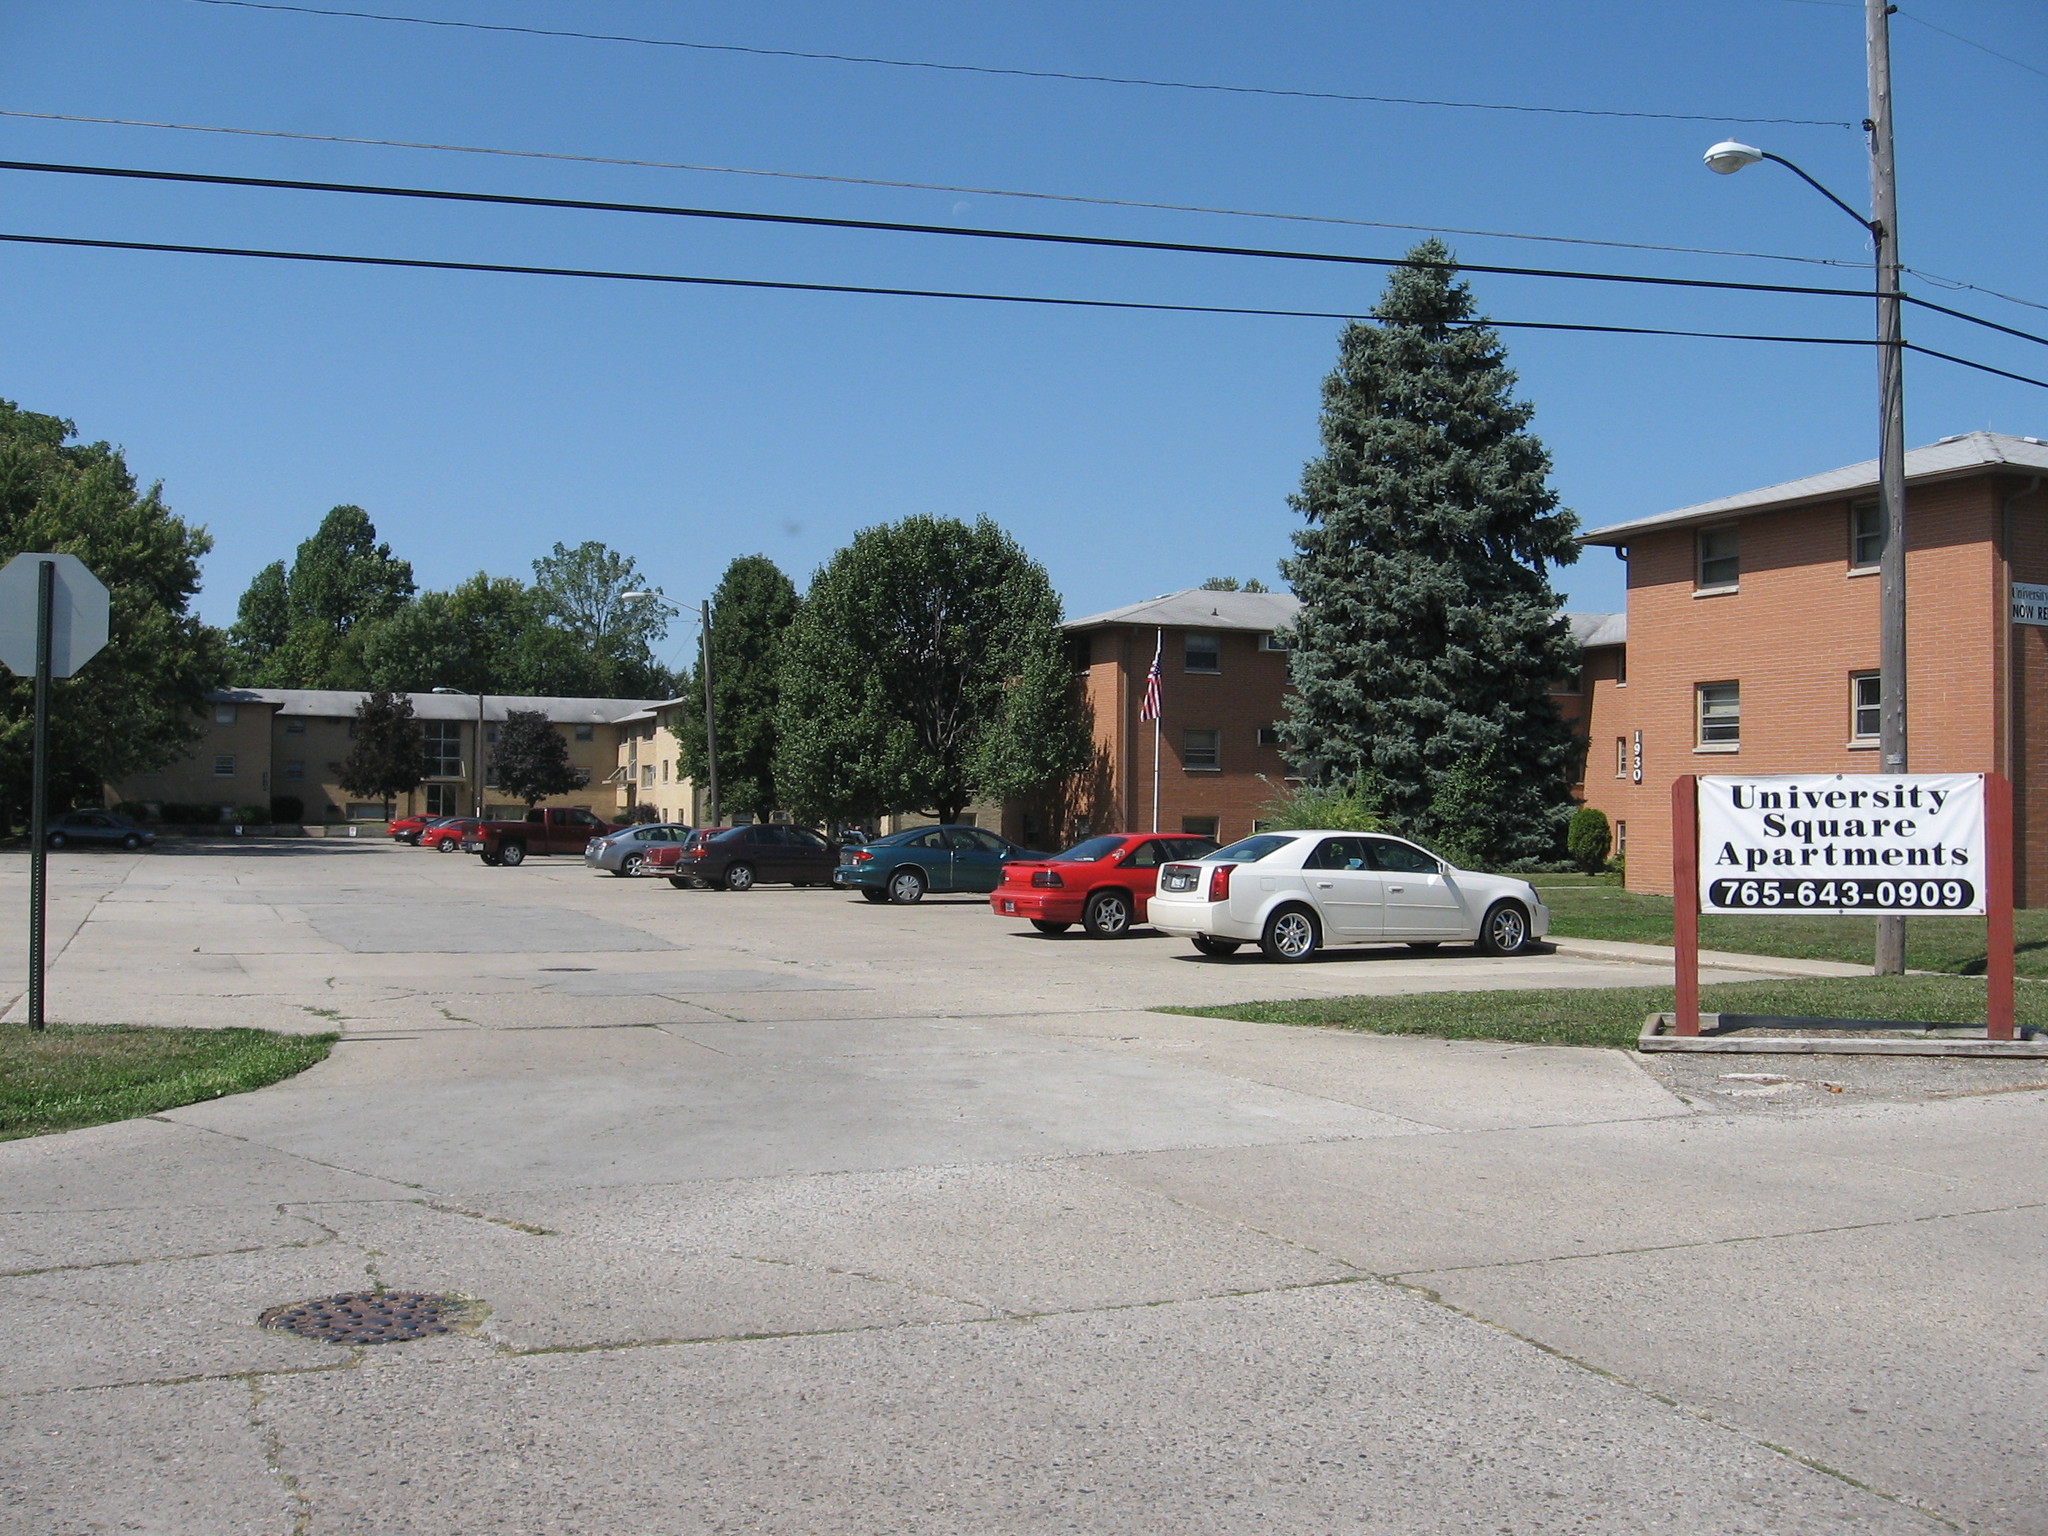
[(78, 620)]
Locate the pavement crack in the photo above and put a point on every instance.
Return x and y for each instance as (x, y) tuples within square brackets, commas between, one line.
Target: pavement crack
[(497, 1221), (209, 1130), (271, 1440), (987, 1307)]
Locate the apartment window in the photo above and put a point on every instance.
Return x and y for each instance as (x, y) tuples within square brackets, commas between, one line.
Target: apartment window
[(1198, 826), (1720, 557), (295, 727), (586, 733), (1866, 695), (1269, 735), (1621, 667), (223, 714), (1201, 749), (664, 770), (1277, 640), (647, 776), (1204, 653), (1621, 757), (443, 800), (444, 748), (224, 766), (1621, 841), (1720, 714), (295, 768), (1866, 536)]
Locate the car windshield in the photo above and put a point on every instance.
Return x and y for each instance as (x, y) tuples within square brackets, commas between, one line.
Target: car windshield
[(1251, 849), (1088, 852)]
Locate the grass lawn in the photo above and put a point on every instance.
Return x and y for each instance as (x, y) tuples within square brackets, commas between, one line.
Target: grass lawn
[(1596, 907), (1614, 1016), (73, 1075)]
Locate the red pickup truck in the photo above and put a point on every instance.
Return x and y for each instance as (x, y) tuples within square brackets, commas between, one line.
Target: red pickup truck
[(547, 829)]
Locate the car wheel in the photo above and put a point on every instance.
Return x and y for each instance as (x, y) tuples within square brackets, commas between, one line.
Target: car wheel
[(492, 859), (1108, 915), (1290, 935), (1209, 944), (449, 845), (1046, 925), (56, 840), (630, 865), (679, 882), (1505, 930), (512, 855), (1424, 945), (131, 842), (877, 897), (739, 877), (906, 887)]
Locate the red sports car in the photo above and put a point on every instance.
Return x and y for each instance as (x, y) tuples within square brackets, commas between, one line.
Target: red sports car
[(407, 829), (1104, 883), (446, 835)]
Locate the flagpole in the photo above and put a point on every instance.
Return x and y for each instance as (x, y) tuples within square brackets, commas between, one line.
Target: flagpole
[(1158, 648)]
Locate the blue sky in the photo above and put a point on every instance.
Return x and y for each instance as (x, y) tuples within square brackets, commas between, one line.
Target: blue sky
[(481, 418)]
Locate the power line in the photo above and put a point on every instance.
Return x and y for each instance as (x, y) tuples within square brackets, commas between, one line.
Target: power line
[(813, 221), (1955, 282), (934, 186), (1950, 357), (1972, 43), (1026, 74)]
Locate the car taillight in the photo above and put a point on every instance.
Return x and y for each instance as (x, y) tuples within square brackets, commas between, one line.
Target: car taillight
[(1046, 877), (1219, 882), (860, 856)]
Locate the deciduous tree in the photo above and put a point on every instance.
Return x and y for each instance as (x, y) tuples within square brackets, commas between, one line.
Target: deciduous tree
[(531, 760), (750, 612), (387, 756)]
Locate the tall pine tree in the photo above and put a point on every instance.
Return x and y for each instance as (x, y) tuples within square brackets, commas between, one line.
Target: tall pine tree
[(755, 604), (1429, 637)]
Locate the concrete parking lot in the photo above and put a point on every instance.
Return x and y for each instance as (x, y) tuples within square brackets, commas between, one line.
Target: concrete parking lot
[(793, 1214)]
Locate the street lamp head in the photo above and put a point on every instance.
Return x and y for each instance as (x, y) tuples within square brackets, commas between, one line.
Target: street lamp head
[(451, 690), (1728, 157)]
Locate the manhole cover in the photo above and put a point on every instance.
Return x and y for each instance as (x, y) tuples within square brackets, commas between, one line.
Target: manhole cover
[(369, 1317)]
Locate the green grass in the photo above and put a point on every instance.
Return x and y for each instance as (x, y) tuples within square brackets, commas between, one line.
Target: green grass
[(1614, 1016), (1596, 907), (74, 1075)]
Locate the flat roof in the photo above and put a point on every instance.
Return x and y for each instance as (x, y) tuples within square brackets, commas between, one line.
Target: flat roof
[(1199, 608), (340, 703), (1966, 453)]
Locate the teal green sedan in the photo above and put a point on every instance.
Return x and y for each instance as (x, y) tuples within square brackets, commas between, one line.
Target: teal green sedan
[(901, 867)]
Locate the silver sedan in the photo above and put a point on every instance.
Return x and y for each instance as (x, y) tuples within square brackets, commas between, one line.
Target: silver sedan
[(624, 851)]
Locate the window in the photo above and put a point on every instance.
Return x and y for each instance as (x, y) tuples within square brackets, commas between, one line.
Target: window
[(1720, 557), (1339, 853), (295, 768), (1198, 826), (1203, 653), (1866, 536), (224, 766), (1621, 841), (586, 733), (1201, 749), (1400, 859), (1146, 855), (664, 770), (1277, 640), (1621, 667), (444, 748), (647, 776), (1269, 735), (366, 810), (1720, 707), (223, 714), (1866, 696), (295, 727), (1621, 757), (442, 799)]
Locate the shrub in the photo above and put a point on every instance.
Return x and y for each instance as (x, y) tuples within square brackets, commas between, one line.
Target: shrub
[(139, 809), (1588, 839), (286, 809), (633, 815), (252, 815), (1350, 805), (180, 814)]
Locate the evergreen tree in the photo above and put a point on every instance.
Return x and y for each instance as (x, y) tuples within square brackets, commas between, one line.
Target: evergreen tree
[(341, 581), (753, 607), (925, 670), (1429, 637), (263, 618), (388, 755), (531, 760), (139, 703)]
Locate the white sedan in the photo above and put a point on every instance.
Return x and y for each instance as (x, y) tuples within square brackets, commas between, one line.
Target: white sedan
[(1291, 893)]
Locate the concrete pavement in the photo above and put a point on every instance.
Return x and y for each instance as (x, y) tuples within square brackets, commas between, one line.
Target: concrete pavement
[(793, 1214)]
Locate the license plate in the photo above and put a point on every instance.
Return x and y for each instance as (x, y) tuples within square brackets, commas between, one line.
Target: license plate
[(471, 845), (1009, 906), (1177, 880)]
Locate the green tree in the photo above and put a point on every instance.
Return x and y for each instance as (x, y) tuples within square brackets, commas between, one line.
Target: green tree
[(387, 755), (490, 634), (586, 591), (139, 703), (925, 670), (1429, 636), (531, 760), (1588, 837), (263, 618), (1232, 584), (1349, 805), (341, 582), (753, 608)]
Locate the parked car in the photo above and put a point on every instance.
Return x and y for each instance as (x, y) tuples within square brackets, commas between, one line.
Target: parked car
[(740, 858), (105, 828), (1292, 893), (663, 859), (904, 865), (624, 851), (407, 829), (546, 829), (446, 835), (1104, 883)]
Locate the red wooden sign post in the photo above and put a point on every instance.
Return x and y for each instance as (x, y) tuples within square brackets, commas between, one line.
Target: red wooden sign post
[(1685, 902)]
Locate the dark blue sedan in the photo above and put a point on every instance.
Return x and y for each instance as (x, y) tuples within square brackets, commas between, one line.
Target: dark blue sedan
[(105, 828), (904, 865)]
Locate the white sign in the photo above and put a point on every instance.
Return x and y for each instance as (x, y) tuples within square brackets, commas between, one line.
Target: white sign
[(1842, 843), (78, 618), (2029, 603)]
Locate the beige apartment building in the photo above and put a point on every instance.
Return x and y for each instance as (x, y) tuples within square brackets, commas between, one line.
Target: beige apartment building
[(265, 745)]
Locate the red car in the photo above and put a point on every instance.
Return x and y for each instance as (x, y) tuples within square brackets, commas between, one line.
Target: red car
[(446, 835), (1104, 884), (408, 829)]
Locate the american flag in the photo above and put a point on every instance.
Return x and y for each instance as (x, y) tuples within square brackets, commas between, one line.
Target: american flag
[(1149, 710)]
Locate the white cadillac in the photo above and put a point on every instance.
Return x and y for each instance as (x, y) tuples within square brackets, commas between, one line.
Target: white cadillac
[(1291, 893)]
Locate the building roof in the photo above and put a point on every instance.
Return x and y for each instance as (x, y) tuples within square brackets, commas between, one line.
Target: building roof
[(1966, 453), (1197, 608), (1591, 629), (340, 703)]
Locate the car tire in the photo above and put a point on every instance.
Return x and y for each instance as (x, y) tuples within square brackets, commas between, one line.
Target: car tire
[(1047, 925), (1291, 935), (448, 845), (1107, 915), (56, 840), (877, 897), (906, 887), (679, 882), (131, 842), (738, 877), (1424, 945), (1504, 930), (630, 865), (492, 859), (512, 855), (1209, 944)]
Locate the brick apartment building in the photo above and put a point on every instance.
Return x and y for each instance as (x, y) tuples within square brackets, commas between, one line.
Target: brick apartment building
[(1752, 640)]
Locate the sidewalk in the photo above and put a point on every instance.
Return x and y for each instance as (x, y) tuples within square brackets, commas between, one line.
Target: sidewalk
[(1710, 959)]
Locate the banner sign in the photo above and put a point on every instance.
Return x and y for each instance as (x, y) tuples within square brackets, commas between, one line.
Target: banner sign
[(1841, 843), (2029, 603)]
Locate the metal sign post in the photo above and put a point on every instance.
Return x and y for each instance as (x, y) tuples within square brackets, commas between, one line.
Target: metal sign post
[(39, 797)]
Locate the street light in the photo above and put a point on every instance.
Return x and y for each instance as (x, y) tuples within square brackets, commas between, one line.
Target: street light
[(1728, 157), (710, 707), (462, 693)]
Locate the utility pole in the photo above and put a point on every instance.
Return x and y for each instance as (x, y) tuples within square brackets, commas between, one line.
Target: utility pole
[(1891, 465), (710, 718)]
